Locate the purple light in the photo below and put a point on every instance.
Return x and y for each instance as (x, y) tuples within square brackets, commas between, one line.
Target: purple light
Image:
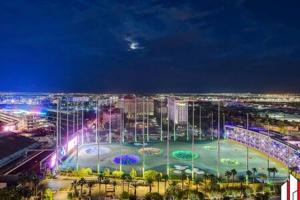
[(72, 143), (127, 159), (53, 161)]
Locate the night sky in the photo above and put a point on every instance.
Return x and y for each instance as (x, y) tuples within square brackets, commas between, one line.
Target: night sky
[(150, 45)]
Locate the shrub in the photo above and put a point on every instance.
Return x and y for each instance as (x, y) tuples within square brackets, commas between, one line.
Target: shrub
[(153, 196), (48, 194), (150, 174), (124, 196), (117, 173)]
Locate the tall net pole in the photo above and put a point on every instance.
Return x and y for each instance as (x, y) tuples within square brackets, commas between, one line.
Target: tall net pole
[(168, 138), (97, 135), (161, 121), (109, 133), (59, 126), (82, 119), (77, 137), (247, 145), (193, 141), (289, 151), (212, 126), (147, 112), (67, 125), (224, 122), (269, 139), (200, 122), (143, 168), (96, 132), (219, 132), (187, 120), (120, 139), (73, 123), (123, 121), (135, 110), (174, 120), (57, 133)]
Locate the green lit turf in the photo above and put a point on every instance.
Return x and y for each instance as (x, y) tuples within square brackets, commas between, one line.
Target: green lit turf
[(234, 155), (184, 155)]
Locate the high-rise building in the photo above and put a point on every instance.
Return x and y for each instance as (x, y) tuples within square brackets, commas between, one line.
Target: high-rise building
[(111, 115), (22, 120), (131, 104), (178, 110)]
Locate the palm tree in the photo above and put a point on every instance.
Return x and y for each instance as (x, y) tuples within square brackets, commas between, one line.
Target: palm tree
[(114, 183), (274, 171), (100, 178), (172, 192), (129, 180), (197, 182), (183, 177), (228, 175), (123, 177), (249, 173), (90, 185), (158, 179), (233, 172), (150, 182), (242, 179), (254, 170), (81, 182), (269, 171), (106, 181), (36, 181), (25, 192), (189, 177), (205, 176), (166, 178), (74, 186), (135, 185), (212, 180), (263, 178)]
